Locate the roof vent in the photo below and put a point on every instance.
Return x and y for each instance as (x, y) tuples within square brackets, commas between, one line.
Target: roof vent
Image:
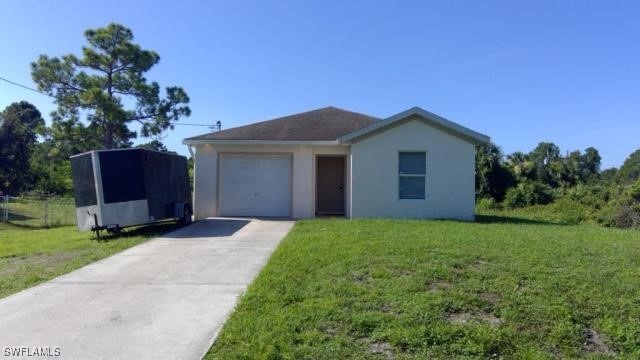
[(217, 126)]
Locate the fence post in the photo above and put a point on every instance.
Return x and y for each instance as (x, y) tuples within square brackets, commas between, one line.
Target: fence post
[(46, 211)]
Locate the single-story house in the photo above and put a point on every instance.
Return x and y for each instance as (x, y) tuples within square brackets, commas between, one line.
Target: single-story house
[(330, 161)]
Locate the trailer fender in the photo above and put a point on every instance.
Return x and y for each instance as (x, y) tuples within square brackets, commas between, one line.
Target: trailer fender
[(178, 209)]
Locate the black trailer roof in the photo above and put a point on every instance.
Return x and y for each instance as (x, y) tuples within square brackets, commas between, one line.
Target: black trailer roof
[(128, 149)]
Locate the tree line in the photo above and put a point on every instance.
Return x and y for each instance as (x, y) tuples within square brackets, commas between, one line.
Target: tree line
[(573, 183)]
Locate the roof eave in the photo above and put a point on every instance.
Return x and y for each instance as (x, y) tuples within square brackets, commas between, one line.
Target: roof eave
[(260, 142), (473, 136)]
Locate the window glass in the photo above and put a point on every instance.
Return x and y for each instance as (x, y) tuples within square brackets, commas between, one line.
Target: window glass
[(413, 163), (412, 187), (412, 171)]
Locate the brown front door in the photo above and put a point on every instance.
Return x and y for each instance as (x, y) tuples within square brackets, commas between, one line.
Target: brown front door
[(330, 185)]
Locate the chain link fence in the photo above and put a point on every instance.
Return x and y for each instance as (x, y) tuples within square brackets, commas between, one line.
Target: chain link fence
[(37, 211)]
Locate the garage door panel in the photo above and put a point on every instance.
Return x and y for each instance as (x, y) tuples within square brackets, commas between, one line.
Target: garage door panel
[(256, 185)]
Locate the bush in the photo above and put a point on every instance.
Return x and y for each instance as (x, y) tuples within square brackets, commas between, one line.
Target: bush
[(627, 217), (487, 203), (627, 214), (568, 211), (528, 193), (595, 196), (634, 192)]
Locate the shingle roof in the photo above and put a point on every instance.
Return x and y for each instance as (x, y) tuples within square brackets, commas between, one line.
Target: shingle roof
[(324, 124)]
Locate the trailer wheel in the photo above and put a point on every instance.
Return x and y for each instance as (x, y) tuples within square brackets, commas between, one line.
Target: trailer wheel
[(186, 215)]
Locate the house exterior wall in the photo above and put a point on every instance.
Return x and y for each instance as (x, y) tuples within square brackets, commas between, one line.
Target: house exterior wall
[(450, 173), (206, 167)]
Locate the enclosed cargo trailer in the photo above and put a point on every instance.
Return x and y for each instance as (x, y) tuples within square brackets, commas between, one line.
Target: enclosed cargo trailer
[(124, 187)]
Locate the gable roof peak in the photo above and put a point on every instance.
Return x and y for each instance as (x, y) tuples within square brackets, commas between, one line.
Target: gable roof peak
[(429, 117)]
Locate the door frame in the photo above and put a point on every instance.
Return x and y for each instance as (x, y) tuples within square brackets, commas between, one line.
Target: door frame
[(344, 184), (219, 188)]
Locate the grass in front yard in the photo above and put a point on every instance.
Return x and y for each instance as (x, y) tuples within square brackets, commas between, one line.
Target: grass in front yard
[(32, 256), (501, 287)]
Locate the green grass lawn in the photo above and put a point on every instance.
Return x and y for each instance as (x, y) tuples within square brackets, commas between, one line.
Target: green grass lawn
[(31, 256), (559, 212), (498, 288)]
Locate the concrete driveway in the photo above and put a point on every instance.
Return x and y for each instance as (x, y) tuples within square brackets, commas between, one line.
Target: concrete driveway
[(164, 299)]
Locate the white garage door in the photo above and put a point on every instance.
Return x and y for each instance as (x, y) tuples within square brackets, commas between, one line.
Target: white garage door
[(256, 185)]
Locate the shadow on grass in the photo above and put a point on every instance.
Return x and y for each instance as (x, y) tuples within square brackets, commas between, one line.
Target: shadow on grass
[(29, 226), (494, 219), (14, 216)]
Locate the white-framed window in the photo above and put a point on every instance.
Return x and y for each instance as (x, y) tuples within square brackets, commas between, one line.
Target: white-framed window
[(412, 171)]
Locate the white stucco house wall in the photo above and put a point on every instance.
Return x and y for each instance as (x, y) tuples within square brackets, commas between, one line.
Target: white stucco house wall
[(330, 161)]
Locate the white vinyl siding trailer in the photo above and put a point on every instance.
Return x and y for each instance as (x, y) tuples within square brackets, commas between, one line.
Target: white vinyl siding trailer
[(358, 174)]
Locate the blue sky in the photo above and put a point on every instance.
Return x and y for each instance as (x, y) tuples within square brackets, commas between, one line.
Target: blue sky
[(519, 71)]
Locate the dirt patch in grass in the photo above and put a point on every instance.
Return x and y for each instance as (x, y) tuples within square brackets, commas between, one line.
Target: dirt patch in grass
[(492, 298), (439, 286), (362, 277), (382, 348), (328, 329), (478, 265), (474, 317), (594, 343), (403, 272)]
